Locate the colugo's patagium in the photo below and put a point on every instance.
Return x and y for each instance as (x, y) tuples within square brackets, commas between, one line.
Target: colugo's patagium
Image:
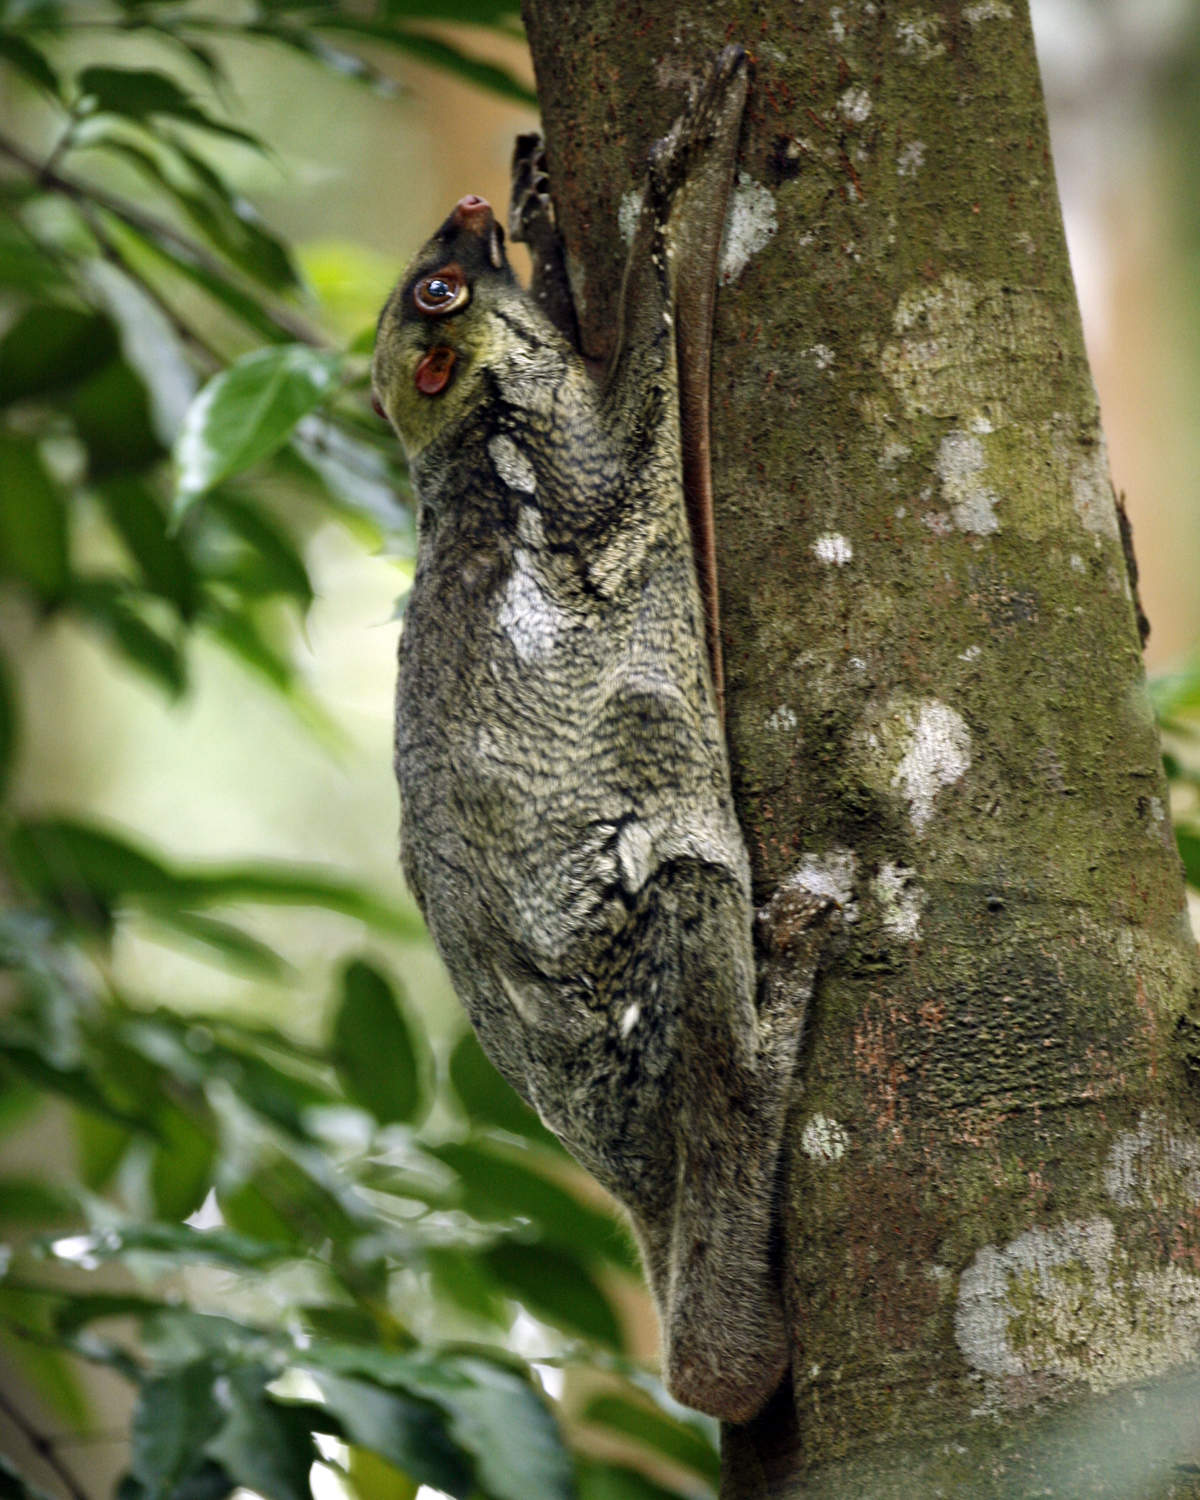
[(568, 827)]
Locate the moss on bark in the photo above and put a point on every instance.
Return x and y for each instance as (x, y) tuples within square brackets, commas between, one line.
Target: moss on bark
[(936, 711)]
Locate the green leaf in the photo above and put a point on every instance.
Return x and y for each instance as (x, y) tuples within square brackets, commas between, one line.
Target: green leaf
[(178, 1243), (73, 1313), (111, 413), (244, 414), (410, 1434), (182, 1169), (220, 939), (176, 1416), (9, 727), (265, 1445), (273, 565), (13, 1484), (33, 519), (108, 606), (100, 1145), (23, 265), (86, 871), (227, 221), (601, 1481), (555, 1287), (142, 524), (645, 1423), (295, 885), (234, 224), (375, 1051), (81, 870), (142, 93), (459, 1277), (142, 244), (1188, 842), (437, 53), (373, 1478), (27, 60), (71, 1083), (488, 1099), (50, 348), (497, 1186), (495, 1414), (27, 1200)]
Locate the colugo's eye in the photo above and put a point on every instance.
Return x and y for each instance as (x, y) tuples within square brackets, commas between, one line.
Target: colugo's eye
[(443, 292)]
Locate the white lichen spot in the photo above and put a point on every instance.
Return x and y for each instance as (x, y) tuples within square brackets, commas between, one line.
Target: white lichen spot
[(972, 653), (782, 721), (963, 348), (1068, 1302), (1153, 1167), (901, 512), (987, 10), (1092, 492), (910, 159), (750, 225), (820, 354), (893, 455), (830, 874), (960, 461), (938, 755), (530, 620), (630, 1019), (900, 901), (577, 276), (511, 464), (917, 36), (1077, 563), (833, 549), (837, 29), (824, 1139), (855, 105), (628, 214), (857, 664)]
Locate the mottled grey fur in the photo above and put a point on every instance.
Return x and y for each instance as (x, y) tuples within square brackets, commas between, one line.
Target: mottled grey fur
[(568, 827)]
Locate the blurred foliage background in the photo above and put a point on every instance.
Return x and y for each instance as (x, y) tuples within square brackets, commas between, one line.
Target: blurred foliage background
[(271, 1220)]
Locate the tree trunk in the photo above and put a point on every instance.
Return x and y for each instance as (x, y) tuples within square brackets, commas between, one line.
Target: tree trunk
[(936, 712)]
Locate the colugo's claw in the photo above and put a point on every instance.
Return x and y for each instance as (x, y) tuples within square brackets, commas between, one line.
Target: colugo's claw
[(530, 208)]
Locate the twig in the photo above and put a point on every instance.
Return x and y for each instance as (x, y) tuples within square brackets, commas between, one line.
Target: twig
[(43, 1447), (147, 224)]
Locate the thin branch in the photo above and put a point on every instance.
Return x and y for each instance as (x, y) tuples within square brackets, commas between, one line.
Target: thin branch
[(43, 1447), (83, 192)]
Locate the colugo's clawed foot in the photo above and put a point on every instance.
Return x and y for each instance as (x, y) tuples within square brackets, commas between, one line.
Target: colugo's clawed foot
[(532, 221), (530, 208)]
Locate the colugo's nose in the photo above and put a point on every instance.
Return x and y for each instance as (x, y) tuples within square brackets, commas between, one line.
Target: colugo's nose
[(474, 214)]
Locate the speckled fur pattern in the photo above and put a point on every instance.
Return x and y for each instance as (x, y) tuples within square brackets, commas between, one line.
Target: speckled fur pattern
[(568, 826)]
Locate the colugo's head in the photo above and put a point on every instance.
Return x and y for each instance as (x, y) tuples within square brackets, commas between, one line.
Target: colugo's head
[(437, 330)]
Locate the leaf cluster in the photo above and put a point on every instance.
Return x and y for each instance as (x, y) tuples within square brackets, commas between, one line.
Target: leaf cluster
[(296, 1253)]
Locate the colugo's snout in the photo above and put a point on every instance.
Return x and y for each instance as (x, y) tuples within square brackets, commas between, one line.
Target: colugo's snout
[(474, 214)]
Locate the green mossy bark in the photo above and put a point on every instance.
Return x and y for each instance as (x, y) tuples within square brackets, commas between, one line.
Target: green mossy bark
[(936, 698)]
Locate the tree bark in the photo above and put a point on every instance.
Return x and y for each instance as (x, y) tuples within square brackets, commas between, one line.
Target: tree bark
[(937, 712)]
